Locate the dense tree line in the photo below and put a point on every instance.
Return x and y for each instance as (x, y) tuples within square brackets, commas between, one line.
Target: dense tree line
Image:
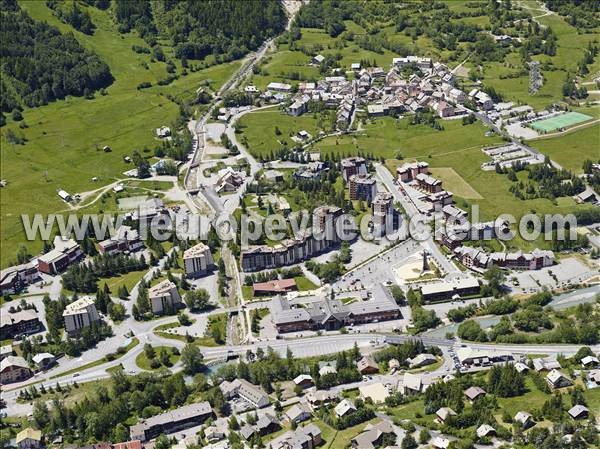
[(198, 29), (84, 277), (39, 64), (579, 13), (72, 14)]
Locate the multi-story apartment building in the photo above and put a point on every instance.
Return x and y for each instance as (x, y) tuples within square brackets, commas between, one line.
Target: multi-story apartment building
[(65, 253), (362, 187), (353, 166), (197, 260), (79, 314), (164, 296), (125, 239)]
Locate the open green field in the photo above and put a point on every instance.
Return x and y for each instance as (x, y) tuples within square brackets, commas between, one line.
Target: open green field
[(259, 129), (64, 138), (143, 362), (572, 149), (456, 148), (560, 122), (455, 184), (386, 137), (506, 78)]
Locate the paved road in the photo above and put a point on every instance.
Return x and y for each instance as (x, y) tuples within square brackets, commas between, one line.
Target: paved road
[(411, 210)]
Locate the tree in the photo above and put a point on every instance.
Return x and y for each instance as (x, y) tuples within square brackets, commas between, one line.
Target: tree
[(409, 442), (197, 300), (397, 293), (40, 413), (117, 312), (191, 358)]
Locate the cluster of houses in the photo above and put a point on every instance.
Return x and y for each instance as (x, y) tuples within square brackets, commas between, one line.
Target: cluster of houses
[(478, 259), (428, 85)]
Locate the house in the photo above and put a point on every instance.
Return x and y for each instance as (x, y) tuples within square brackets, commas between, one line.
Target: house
[(443, 414), (65, 252), (589, 361), (393, 364), (317, 60), (440, 442), (411, 384), (13, 369), (318, 398), (327, 368), (593, 377), (371, 437), (304, 381), (228, 180), (164, 297), (474, 393), (524, 419), (243, 389), (29, 439), (19, 323), (277, 286), (298, 413), (79, 314), (279, 87), (421, 360), (214, 433), (169, 422), (344, 407), (14, 279), (367, 365), (307, 437), (125, 239), (521, 367), (485, 430), (556, 379), (163, 131), (134, 444), (579, 412), (266, 424), (377, 392), (197, 260), (470, 357), (298, 107), (545, 364), (44, 360)]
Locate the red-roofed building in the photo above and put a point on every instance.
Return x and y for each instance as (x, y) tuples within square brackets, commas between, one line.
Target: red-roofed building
[(134, 444), (274, 287)]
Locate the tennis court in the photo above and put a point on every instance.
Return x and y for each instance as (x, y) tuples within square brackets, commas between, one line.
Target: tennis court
[(560, 121)]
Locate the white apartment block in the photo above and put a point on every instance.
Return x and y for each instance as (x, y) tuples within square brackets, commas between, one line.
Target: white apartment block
[(164, 295), (79, 314), (197, 260)]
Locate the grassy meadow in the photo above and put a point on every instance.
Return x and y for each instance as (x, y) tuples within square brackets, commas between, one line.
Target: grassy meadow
[(64, 139)]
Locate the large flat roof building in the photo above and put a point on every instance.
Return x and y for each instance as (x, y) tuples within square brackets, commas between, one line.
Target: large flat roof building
[(172, 421)]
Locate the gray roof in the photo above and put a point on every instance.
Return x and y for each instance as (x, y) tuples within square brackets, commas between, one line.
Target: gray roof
[(179, 414)]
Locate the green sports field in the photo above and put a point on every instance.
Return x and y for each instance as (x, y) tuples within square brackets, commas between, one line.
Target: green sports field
[(560, 122)]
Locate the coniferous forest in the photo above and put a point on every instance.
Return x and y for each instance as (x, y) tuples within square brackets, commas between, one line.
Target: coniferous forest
[(40, 65)]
